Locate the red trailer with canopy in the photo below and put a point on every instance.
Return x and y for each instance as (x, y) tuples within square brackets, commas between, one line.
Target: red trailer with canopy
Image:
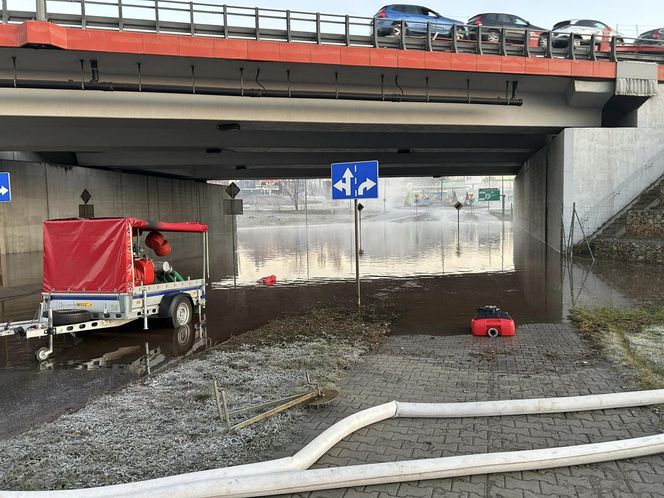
[(99, 273)]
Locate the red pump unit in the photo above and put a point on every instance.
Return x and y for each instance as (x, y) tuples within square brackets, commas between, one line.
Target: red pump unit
[(492, 321)]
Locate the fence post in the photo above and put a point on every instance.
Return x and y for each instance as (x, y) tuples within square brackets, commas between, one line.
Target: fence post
[(318, 27), (191, 18), (120, 20), (347, 30), (225, 14), (40, 10), (83, 22), (156, 15), (503, 42), (257, 16), (375, 32), (289, 36), (5, 18), (593, 54)]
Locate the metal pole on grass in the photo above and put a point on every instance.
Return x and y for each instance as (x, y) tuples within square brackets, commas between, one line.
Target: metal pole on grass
[(357, 253)]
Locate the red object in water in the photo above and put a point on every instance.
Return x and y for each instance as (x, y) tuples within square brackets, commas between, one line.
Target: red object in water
[(143, 271), (491, 321), (270, 280)]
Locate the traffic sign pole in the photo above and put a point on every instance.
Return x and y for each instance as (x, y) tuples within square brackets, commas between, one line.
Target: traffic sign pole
[(355, 180), (357, 254)]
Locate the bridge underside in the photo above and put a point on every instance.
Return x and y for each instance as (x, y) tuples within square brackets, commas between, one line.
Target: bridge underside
[(199, 150), (215, 118)]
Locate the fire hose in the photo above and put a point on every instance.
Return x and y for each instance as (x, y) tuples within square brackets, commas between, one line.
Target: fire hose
[(290, 475)]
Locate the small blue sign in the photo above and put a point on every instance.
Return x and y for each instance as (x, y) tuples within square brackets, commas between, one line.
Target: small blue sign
[(358, 180), (5, 188)]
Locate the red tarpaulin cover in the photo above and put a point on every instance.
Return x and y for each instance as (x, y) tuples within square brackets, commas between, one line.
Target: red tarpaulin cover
[(94, 255)]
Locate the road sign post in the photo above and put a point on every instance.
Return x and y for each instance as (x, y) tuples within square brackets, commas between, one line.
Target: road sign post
[(360, 207), (458, 207), (232, 190), (5, 188), (355, 180)]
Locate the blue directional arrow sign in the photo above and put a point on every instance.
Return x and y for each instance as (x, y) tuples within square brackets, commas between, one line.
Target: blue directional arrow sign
[(5, 188), (357, 180)]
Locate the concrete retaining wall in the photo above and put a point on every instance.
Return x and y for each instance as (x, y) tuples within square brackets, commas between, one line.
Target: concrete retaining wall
[(600, 170), (42, 191), (610, 167)]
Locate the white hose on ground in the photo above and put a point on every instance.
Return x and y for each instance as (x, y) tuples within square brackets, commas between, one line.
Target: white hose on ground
[(213, 482)]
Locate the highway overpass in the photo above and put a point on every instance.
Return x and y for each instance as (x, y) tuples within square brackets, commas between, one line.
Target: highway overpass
[(227, 102)]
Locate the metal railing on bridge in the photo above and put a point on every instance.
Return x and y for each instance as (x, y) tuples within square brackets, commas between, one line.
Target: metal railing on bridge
[(226, 21)]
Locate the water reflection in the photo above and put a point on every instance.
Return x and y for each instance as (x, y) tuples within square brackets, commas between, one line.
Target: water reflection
[(400, 244)]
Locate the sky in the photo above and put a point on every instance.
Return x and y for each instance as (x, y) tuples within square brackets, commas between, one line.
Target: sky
[(646, 14)]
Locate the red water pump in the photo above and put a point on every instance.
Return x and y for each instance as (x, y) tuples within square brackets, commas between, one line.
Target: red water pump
[(492, 321)]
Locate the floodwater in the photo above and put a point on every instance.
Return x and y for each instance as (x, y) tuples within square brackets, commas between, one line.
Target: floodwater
[(416, 263)]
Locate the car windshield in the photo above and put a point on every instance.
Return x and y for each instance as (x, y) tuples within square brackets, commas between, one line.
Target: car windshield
[(520, 22), (561, 24)]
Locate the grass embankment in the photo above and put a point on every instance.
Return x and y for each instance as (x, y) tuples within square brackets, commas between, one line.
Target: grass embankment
[(168, 424), (632, 336)]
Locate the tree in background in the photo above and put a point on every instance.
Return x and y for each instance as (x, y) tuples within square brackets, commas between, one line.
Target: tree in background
[(294, 191)]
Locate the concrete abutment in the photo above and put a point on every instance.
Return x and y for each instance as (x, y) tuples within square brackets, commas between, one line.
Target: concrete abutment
[(597, 170)]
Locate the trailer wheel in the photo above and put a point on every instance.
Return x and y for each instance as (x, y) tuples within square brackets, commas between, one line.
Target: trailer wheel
[(42, 354), (181, 311), (70, 317)]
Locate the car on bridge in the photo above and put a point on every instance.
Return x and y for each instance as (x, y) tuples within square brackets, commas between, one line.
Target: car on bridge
[(494, 22), (652, 37), (581, 32), (414, 19)]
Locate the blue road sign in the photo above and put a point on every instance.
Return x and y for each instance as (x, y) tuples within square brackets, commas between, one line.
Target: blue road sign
[(5, 188), (358, 180)]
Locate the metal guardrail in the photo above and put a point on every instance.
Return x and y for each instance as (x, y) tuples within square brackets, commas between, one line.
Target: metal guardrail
[(226, 21)]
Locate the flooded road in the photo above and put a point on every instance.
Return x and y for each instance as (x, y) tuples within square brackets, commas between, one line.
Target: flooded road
[(417, 264)]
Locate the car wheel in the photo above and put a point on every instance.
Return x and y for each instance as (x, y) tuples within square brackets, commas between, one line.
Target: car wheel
[(543, 41), (493, 37), (396, 30), (577, 41), (181, 311)]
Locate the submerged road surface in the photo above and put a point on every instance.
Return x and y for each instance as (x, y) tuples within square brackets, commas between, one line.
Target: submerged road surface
[(416, 263)]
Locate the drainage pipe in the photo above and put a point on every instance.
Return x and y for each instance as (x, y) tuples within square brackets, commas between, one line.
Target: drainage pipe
[(308, 455)]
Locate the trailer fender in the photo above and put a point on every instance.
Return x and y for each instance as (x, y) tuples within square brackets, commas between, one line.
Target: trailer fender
[(166, 304)]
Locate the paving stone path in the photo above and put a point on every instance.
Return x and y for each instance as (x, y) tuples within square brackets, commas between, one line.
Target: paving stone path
[(541, 361)]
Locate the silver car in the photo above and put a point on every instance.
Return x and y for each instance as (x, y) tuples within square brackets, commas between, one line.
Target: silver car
[(581, 31)]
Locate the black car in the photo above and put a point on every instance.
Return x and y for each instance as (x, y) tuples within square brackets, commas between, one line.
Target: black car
[(652, 37), (492, 23)]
